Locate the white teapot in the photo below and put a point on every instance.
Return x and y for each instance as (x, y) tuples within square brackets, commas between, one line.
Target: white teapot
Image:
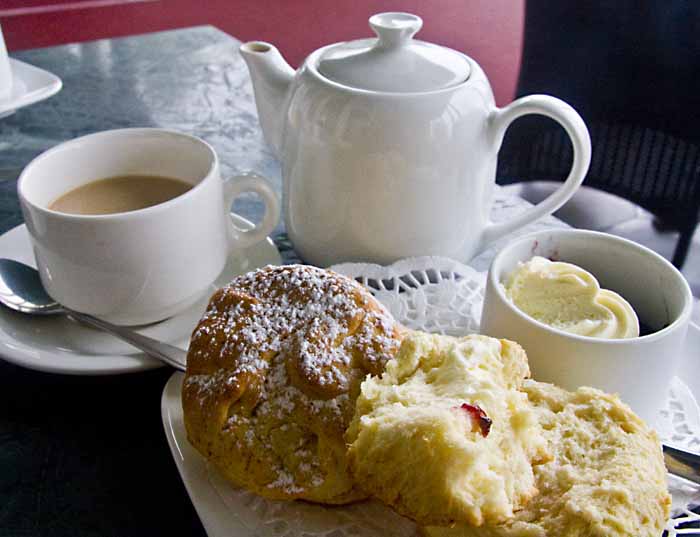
[(388, 146)]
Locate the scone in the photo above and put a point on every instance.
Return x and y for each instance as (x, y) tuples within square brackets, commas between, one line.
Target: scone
[(444, 435), (607, 478), (273, 371)]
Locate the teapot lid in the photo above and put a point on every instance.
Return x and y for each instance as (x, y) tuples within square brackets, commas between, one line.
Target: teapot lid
[(394, 62)]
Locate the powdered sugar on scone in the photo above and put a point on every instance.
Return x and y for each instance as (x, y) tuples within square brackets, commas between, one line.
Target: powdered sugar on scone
[(281, 352)]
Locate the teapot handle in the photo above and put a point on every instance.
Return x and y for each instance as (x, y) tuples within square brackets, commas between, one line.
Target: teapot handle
[(556, 109)]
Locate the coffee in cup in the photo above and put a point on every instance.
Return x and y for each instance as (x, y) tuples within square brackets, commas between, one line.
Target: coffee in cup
[(120, 194)]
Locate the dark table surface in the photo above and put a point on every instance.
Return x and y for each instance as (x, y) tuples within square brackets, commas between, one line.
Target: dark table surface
[(87, 455)]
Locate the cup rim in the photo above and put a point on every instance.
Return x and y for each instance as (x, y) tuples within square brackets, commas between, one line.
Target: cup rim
[(495, 282), (165, 205)]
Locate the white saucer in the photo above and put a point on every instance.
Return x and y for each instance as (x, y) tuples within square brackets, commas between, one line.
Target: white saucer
[(59, 345), (208, 491), (29, 85)]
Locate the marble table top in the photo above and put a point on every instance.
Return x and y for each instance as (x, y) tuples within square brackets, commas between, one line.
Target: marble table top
[(87, 456)]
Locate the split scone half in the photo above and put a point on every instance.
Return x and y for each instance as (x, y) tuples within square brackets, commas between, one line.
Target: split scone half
[(607, 477), (444, 435)]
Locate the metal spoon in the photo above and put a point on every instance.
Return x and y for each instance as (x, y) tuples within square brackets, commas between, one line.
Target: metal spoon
[(682, 463), (21, 290)]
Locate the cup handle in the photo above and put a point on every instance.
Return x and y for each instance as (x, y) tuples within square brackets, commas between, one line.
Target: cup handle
[(251, 182), (556, 109)]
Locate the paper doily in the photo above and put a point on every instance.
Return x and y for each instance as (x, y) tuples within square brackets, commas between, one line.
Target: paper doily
[(438, 295), (433, 294), (269, 518)]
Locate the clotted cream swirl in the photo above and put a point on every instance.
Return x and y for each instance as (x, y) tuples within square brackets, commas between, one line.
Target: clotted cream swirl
[(567, 297)]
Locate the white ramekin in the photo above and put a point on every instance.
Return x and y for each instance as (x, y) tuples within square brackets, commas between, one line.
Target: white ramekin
[(638, 369)]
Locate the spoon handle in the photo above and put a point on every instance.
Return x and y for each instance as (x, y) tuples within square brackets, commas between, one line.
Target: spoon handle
[(169, 354)]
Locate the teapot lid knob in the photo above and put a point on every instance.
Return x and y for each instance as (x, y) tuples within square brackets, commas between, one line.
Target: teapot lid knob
[(394, 29), (394, 62)]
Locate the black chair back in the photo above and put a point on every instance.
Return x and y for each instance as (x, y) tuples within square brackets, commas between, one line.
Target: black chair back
[(632, 70)]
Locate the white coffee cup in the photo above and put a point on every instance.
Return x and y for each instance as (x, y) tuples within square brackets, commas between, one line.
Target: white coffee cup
[(5, 71), (145, 265), (638, 369)]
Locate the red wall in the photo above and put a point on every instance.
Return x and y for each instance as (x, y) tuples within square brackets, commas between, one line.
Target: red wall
[(488, 30)]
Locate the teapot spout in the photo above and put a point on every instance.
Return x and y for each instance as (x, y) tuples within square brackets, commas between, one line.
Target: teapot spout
[(271, 76)]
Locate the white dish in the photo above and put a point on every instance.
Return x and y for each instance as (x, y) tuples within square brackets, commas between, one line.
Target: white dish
[(59, 345), (226, 511), (30, 85)]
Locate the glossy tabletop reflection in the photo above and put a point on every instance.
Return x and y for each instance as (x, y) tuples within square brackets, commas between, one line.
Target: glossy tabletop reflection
[(87, 456)]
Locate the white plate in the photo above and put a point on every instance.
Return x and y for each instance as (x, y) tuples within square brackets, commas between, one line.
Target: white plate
[(59, 345), (226, 511), (29, 85), (210, 495), (216, 518)]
